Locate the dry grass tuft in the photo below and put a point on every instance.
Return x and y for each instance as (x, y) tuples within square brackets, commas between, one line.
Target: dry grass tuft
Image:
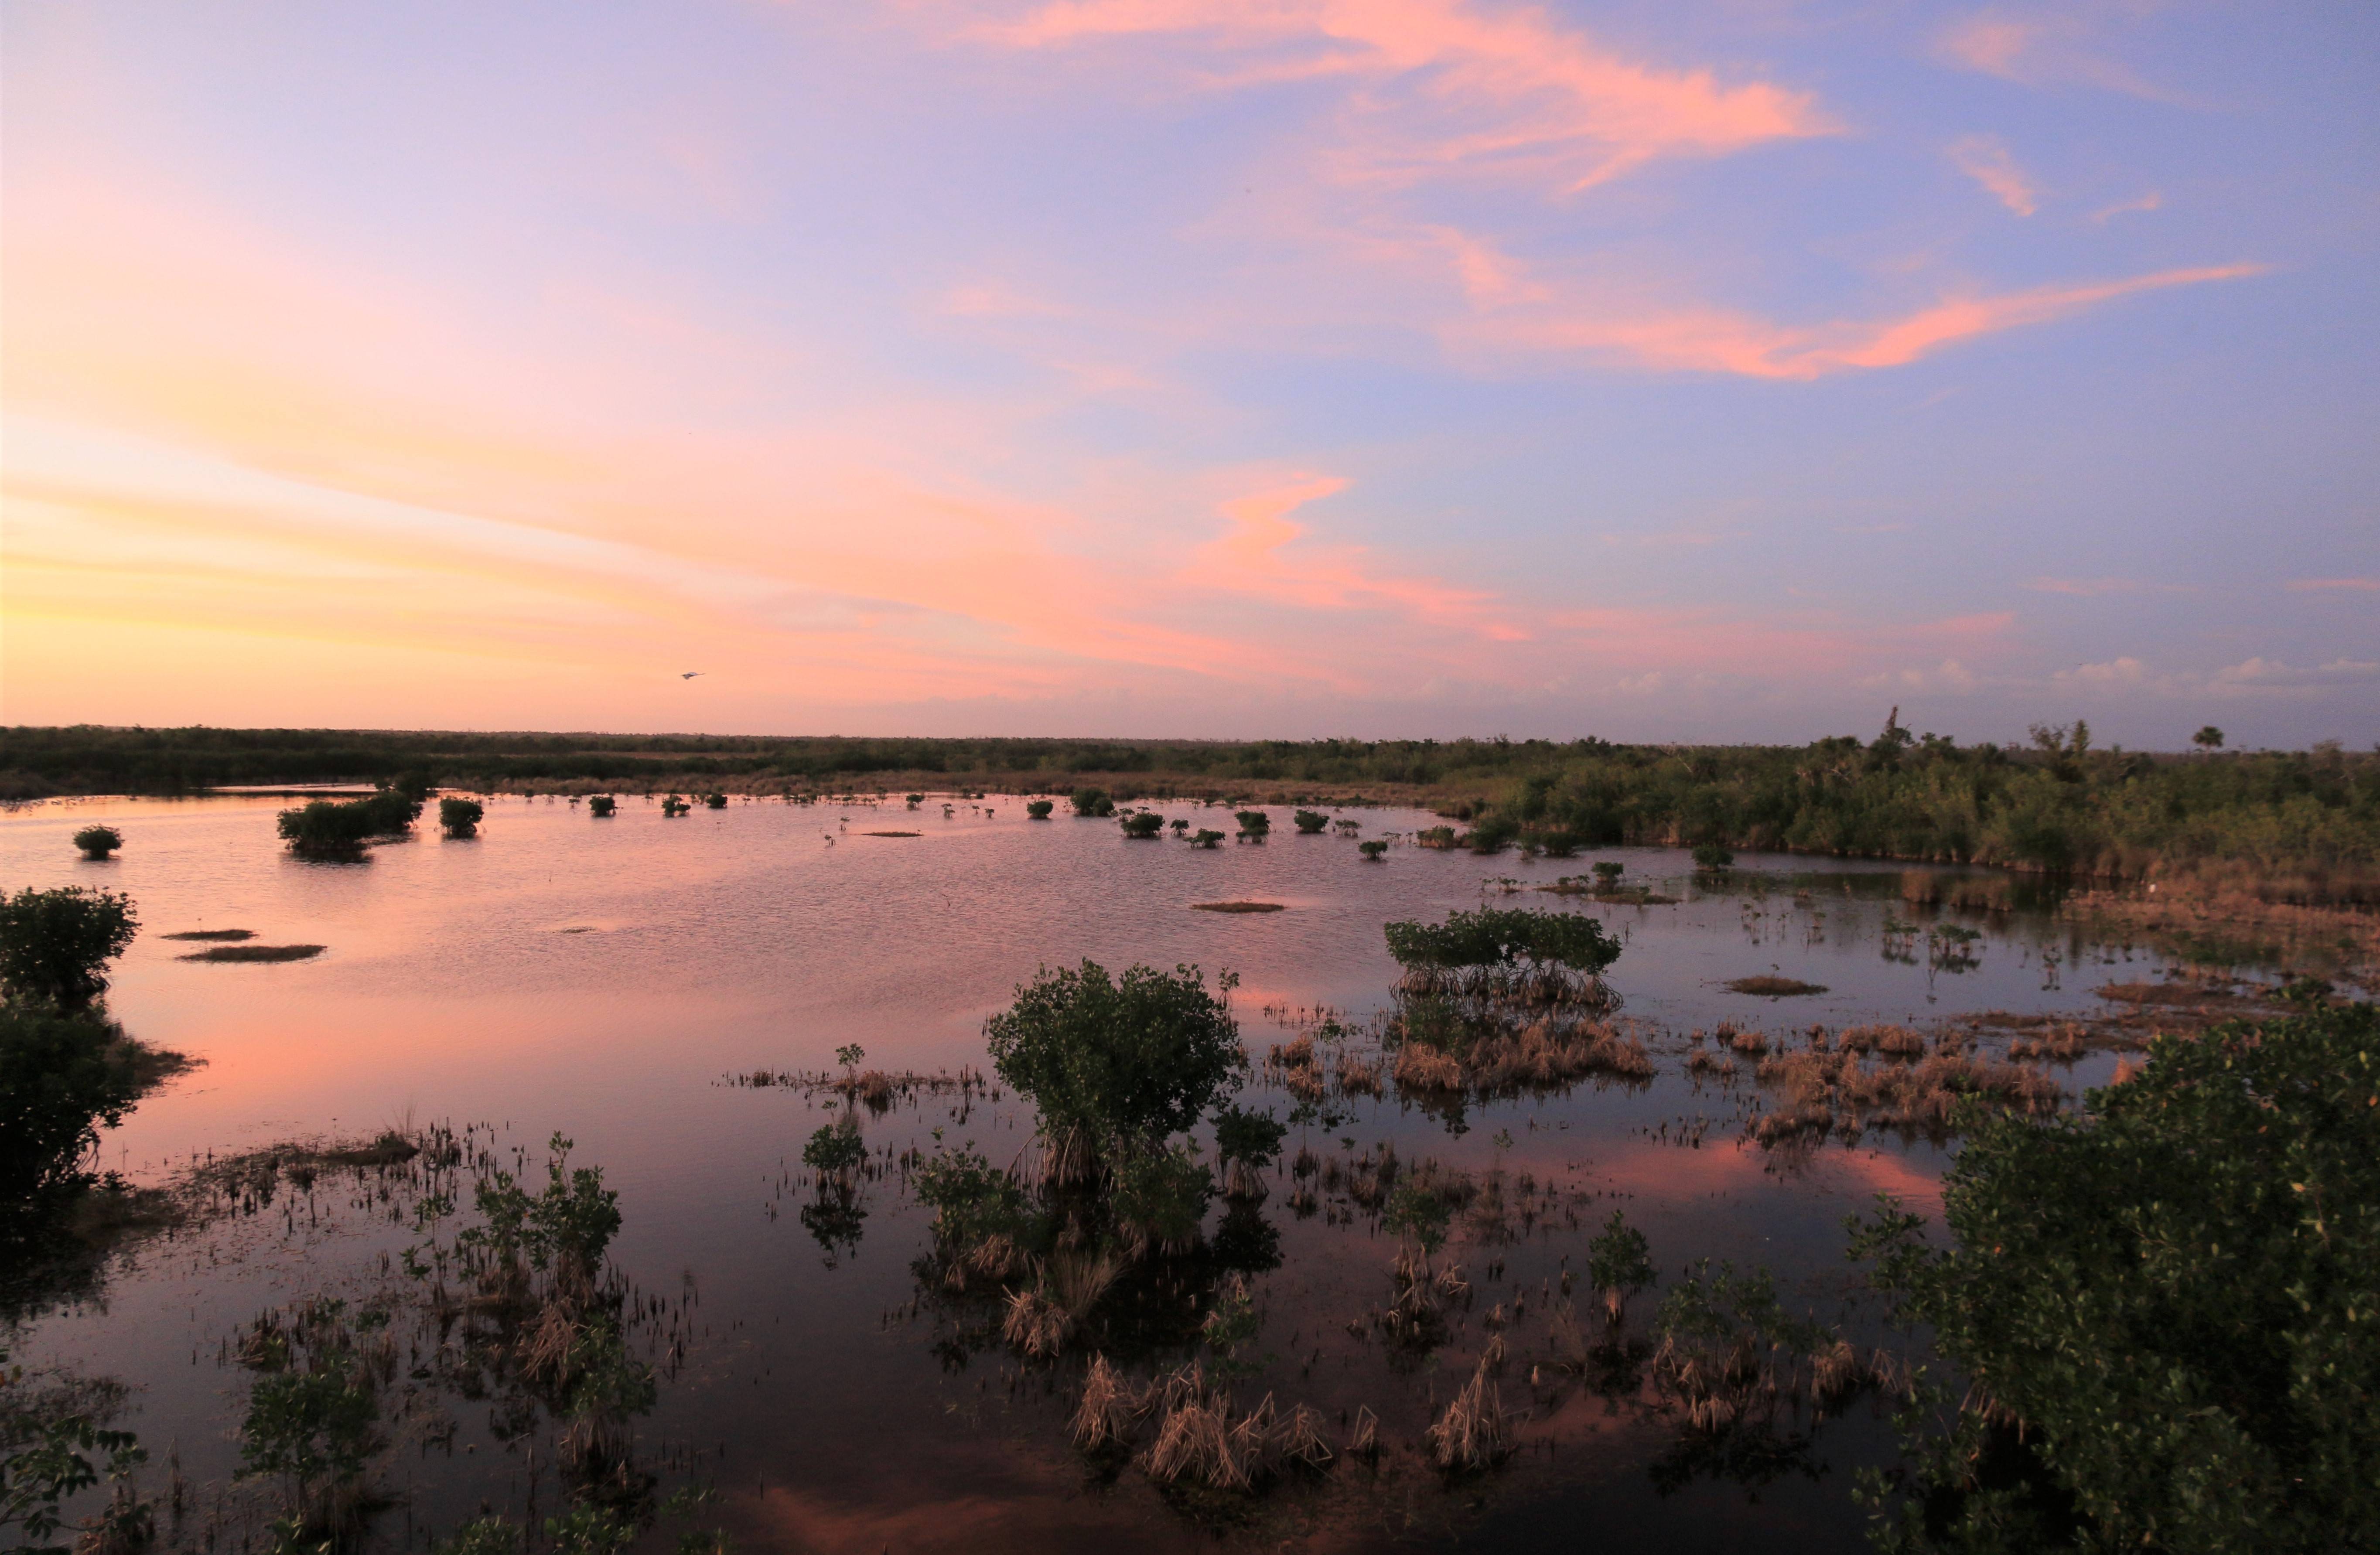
[(1470, 1435), (1104, 1417)]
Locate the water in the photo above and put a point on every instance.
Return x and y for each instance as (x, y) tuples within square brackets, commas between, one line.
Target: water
[(606, 979)]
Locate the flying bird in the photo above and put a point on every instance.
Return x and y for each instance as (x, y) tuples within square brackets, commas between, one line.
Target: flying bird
[(689, 675)]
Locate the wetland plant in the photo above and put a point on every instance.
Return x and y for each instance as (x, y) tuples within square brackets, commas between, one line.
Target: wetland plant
[(602, 806), (1039, 809), (1143, 825), (2163, 1304), (1713, 858), (1607, 872), (719, 801), (1504, 954), (1374, 851), (1093, 802), (1246, 1142), (674, 806), (1181, 825), (1253, 824), (1310, 822), (460, 817), (1204, 838), (55, 945), (327, 828), (98, 841), (1115, 1066), (1618, 1264)]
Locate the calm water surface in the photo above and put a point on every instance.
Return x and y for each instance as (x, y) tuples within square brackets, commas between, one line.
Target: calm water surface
[(605, 980)]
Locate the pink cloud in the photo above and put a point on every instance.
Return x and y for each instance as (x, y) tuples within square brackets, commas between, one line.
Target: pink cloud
[(2046, 50), (2152, 200), (1711, 340), (1454, 85), (1985, 160), (1254, 558)]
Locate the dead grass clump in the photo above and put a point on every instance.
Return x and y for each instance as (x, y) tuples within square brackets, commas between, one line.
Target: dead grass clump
[(1543, 1055), (1359, 1076), (2064, 1042), (1104, 1419), (1237, 907), (1302, 1442), (1702, 1062), (1470, 1435), (213, 935), (1365, 1442), (1035, 1324), (1820, 1091), (1898, 1042), (2180, 992), (1771, 987), (255, 952), (1421, 1068), (1751, 1042)]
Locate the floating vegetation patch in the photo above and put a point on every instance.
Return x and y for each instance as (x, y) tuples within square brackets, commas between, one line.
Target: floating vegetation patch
[(891, 834), (1774, 987), (255, 952), (212, 934), (1237, 907)]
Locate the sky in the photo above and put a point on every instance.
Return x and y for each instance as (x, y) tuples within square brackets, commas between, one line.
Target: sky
[(1732, 371)]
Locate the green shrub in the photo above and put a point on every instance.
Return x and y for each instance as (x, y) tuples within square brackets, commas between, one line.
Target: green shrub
[(331, 829), (1492, 834), (1118, 1064), (1310, 822), (716, 801), (1711, 857), (62, 1076), (460, 817), (309, 1427), (55, 945), (1498, 936), (914, 800), (1160, 1198), (971, 1198), (1374, 850), (1253, 823), (1143, 825), (834, 1152), (1180, 825), (1203, 838), (98, 841), (1039, 809), (601, 804), (1608, 871), (485, 1535), (1618, 1261), (1251, 1138), (674, 806), (1419, 1214), (1093, 802), (2172, 1291)]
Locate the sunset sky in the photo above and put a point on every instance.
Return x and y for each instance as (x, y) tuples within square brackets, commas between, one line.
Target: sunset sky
[(1195, 366)]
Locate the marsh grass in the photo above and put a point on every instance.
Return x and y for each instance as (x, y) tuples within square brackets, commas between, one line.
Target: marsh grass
[(255, 952), (1236, 908), (1471, 1436), (224, 935)]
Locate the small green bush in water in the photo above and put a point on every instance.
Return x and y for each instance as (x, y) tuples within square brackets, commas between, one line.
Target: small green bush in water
[(2173, 1292), (1093, 802), (1618, 1261), (971, 1198), (674, 806), (1609, 870), (308, 1427), (1039, 810), (1419, 1213), (1203, 838), (328, 829), (55, 945), (98, 841), (1498, 936), (602, 804), (834, 1152), (1160, 1199), (1374, 850), (716, 801), (1121, 1064), (1143, 825), (1251, 1138), (1310, 822), (460, 817), (1253, 823), (1711, 856)]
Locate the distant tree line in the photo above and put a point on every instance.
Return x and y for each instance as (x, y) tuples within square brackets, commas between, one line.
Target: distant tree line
[(2301, 824)]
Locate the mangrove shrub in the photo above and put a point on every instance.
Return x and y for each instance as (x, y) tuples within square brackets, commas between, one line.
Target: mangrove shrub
[(2167, 1306), (602, 806), (98, 841), (460, 817), (1501, 936), (1039, 809), (1115, 1065), (332, 828), (1143, 825), (55, 945), (1310, 822), (1093, 802)]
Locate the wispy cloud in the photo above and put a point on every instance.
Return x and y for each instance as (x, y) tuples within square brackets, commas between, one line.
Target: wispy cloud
[(2093, 588), (2152, 200), (2323, 585), (1710, 340), (1449, 86), (2045, 48), (1987, 160)]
